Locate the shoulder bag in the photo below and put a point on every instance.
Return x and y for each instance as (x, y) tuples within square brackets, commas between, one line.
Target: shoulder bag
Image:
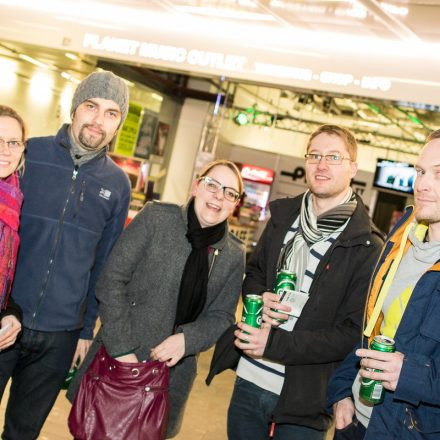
[(121, 401)]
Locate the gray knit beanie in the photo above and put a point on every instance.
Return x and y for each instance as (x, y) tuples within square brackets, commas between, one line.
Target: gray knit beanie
[(105, 85)]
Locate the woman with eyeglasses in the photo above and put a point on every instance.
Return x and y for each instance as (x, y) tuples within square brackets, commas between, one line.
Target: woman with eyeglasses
[(12, 144), (171, 284)]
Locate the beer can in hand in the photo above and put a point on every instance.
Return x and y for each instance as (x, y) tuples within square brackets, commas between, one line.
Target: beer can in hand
[(70, 375), (286, 280), (252, 311), (372, 391)]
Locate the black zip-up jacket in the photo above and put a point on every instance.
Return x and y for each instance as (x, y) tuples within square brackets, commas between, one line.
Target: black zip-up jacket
[(70, 220), (330, 322)]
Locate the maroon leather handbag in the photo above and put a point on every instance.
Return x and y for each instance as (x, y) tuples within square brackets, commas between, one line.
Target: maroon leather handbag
[(121, 401)]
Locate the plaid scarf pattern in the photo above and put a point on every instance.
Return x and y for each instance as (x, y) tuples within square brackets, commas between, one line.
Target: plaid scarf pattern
[(11, 199), (313, 229)]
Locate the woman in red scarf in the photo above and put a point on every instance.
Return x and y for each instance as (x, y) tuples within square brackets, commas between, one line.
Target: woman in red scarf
[(12, 144)]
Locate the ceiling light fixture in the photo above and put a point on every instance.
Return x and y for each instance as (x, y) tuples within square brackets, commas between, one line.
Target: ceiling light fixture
[(71, 56), (157, 97), (33, 61), (241, 118)]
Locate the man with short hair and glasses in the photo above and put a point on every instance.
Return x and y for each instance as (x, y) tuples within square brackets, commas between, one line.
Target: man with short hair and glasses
[(326, 238)]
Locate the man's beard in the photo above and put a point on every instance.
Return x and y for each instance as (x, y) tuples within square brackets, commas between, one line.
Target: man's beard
[(91, 143)]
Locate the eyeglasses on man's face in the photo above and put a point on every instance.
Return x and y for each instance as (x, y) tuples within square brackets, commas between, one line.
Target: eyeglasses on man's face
[(211, 185), (13, 145), (331, 159)]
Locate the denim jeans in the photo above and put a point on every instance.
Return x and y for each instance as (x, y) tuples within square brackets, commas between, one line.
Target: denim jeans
[(38, 364), (250, 416)]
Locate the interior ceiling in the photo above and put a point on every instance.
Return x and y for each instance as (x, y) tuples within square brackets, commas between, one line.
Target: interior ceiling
[(397, 126), (393, 125), (398, 18)]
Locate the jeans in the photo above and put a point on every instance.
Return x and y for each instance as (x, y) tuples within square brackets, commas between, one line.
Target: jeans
[(250, 416), (38, 364)]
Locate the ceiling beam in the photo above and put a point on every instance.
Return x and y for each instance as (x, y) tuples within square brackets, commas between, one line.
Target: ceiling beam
[(389, 21)]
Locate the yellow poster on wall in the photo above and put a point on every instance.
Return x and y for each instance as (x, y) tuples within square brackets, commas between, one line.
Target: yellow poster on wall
[(127, 136)]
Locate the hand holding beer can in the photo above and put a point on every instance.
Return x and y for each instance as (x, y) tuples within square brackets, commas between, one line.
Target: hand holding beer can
[(372, 391), (285, 281), (70, 375), (252, 311)]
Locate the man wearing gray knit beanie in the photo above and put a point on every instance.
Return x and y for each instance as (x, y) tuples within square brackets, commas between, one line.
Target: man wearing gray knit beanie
[(101, 101), (76, 203)]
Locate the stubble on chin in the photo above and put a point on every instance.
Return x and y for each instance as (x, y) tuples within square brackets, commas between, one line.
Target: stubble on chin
[(427, 218), (320, 195), (90, 143)]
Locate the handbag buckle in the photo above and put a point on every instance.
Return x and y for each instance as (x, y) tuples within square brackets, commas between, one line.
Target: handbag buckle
[(135, 372)]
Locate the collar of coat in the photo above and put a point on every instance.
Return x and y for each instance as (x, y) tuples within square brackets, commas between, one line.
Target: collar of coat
[(358, 231), (390, 252)]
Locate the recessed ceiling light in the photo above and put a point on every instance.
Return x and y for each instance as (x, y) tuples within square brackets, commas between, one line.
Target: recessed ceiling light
[(32, 60), (72, 56)]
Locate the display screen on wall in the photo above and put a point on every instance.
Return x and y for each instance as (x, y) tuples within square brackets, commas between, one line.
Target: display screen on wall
[(395, 176)]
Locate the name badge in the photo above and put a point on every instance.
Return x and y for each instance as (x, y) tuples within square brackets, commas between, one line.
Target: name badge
[(296, 300)]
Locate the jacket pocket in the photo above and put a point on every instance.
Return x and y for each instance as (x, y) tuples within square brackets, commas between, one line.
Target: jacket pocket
[(425, 420), (430, 327), (137, 297)]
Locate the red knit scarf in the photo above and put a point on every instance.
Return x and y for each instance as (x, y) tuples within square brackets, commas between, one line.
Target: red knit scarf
[(11, 199)]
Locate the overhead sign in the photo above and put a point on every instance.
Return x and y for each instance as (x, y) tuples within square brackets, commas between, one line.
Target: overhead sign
[(257, 174), (228, 62), (287, 56), (127, 135)]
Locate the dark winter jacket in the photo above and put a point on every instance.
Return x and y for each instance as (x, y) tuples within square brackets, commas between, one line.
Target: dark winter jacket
[(413, 410), (331, 319), (70, 219)]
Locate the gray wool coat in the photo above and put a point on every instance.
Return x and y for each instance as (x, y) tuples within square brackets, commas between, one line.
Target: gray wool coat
[(138, 291)]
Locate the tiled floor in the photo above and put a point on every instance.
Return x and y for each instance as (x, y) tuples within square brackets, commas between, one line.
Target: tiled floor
[(205, 417)]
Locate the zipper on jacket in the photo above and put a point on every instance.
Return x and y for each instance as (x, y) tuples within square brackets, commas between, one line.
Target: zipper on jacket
[(216, 251), (80, 199), (55, 244)]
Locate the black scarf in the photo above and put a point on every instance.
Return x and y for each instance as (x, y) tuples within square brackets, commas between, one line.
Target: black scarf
[(194, 282)]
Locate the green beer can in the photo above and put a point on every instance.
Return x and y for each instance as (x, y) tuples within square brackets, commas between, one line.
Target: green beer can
[(286, 280), (372, 391), (252, 311), (70, 375)]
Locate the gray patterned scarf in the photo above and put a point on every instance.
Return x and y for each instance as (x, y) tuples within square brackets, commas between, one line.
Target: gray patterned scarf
[(313, 229)]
